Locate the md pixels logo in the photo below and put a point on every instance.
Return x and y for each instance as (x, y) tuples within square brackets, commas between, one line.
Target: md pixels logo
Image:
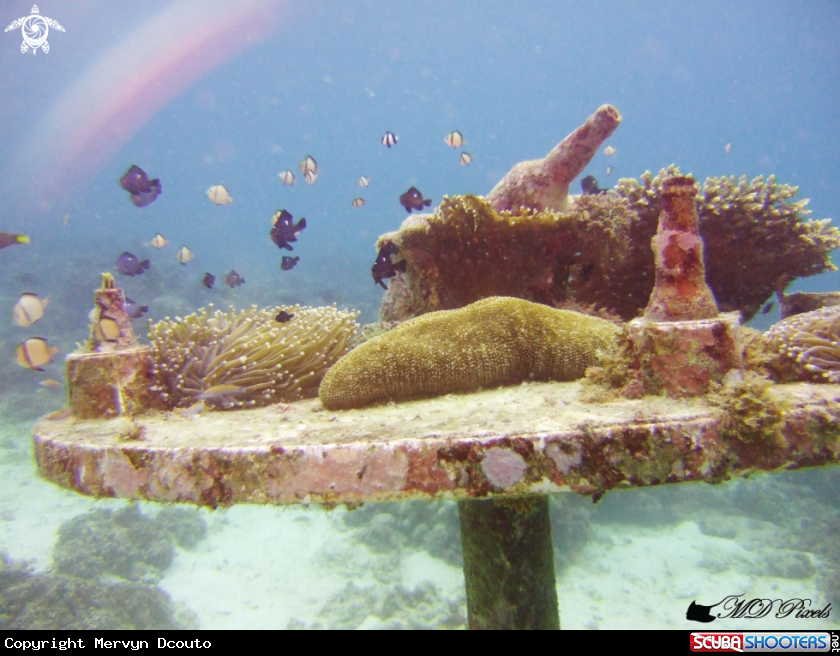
[(35, 29), (733, 607)]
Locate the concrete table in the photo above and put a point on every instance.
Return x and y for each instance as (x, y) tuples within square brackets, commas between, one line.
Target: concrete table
[(498, 452)]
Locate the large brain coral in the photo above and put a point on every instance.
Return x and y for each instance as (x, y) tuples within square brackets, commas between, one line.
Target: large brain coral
[(496, 340), (268, 360)]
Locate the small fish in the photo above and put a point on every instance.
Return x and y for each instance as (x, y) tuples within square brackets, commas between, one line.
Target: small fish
[(358, 202), (192, 411), (65, 220), (454, 139), (143, 191), (413, 200), (134, 310), (384, 267), (219, 195), (285, 230), (184, 255), (129, 265), (34, 353), (609, 170), (728, 148), (8, 239), (389, 139), (767, 308), (209, 280), (288, 263), (284, 316), (364, 181), (307, 165), (287, 178), (466, 159), (28, 309), (589, 186), (159, 241), (59, 414), (233, 279), (609, 151), (50, 383), (106, 330), (310, 177), (220, 391)]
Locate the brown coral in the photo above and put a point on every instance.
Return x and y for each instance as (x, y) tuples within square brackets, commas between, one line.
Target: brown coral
[(756, 241), (267, 360), (496, 340), (467, 251)]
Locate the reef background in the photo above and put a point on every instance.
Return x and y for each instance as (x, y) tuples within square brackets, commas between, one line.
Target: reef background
[(328, 80)]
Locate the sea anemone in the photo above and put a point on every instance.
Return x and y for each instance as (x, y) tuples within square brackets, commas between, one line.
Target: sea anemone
[(267, 360), (811, 340)]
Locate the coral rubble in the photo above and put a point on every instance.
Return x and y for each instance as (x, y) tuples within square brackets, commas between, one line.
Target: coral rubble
[(496, 340), (268, 361), (124, 543), (36, 601)]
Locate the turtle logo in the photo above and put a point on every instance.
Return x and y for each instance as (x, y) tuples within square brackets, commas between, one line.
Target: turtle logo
[(35, 29)]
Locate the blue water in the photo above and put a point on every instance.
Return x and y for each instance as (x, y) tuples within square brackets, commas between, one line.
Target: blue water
[(331, 77)]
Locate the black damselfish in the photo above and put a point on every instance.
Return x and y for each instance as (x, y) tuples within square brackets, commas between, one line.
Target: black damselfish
[(209, 280), (129, 265), (589, 185), (384, 267), (413, 200), (143, 191), (284, 316), (289, 263), (284, 229)]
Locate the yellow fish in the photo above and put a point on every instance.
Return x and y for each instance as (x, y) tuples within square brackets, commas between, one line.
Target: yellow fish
[(34, 353), (28, 309), (184, 255), (308, 165), (52, 383), (106, 330), (466, 159), (609, 151), (219, 195), (287, 178), (219, 391), (159, 241), (454, 139)]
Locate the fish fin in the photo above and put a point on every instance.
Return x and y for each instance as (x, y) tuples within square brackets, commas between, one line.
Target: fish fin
[(427, 202), (145, 264), (23, 239)]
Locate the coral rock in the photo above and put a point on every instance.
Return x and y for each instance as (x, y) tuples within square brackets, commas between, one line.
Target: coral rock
[(496, 340), (680, 292), (543, 184), (467, 251)]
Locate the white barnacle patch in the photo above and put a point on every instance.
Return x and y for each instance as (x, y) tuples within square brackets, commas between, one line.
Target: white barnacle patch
[(503, 467)]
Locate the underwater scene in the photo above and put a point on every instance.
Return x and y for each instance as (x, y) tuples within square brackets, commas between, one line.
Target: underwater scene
[(419, 315)]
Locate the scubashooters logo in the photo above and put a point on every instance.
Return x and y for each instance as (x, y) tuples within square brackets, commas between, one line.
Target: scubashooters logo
[(753, 609), (35, 29)]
